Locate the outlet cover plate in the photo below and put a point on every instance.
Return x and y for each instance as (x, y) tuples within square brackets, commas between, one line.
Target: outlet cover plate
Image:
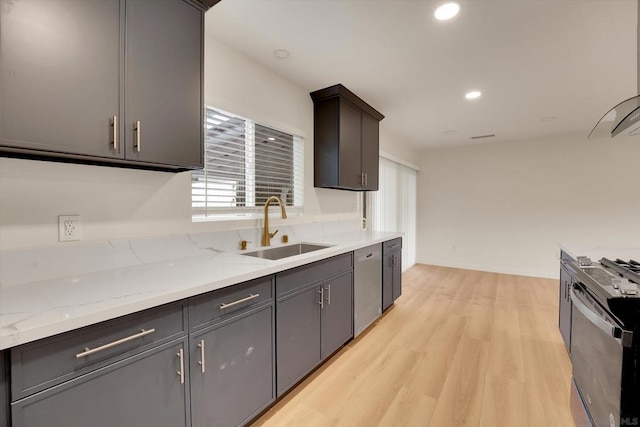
[(69, 228)]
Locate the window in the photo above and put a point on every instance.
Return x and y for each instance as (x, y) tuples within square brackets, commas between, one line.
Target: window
[(393, 206), (245, 163)]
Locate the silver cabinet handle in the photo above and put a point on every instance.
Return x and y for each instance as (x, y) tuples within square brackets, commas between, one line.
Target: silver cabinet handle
[(138, 131), (397, 245), (115, 133), (231, 304), (201, 362), (321, 292), (180, 355), (89, 351), (366, 179), (362, 179), (393, 261), (328, 288)]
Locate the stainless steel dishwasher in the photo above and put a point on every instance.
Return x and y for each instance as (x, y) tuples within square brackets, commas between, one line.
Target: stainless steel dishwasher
[(367, 287)]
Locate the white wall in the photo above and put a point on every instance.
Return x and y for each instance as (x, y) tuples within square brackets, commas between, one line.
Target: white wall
[(392, 145), (121, 203), (505, 206)]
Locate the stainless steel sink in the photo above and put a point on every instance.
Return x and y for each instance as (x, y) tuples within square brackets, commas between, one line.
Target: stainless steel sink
[(286, 251)]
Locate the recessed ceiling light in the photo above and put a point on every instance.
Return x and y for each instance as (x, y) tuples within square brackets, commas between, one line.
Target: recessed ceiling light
[(449, 132), (271, 139), (447, 11), (474, 94), (281, 53), (548, 119)]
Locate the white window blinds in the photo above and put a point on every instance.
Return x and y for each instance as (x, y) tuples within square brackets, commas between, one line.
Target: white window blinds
[(245, 163), (393, 206)]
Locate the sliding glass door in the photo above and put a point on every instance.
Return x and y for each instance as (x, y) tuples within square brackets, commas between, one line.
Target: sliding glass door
[(393, 206)]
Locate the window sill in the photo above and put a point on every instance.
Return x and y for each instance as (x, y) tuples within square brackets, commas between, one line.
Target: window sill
[(246, 216)]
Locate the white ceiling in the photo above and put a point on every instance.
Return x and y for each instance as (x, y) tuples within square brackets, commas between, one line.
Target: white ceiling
[(573, 59)]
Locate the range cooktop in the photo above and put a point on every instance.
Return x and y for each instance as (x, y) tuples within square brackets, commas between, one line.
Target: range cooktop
[(618, 278)]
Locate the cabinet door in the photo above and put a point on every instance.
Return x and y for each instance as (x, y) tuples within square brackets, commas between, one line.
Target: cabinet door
[(350, 132), (163, 82), (297, 337), (59, 81), (397, 275), (236, 380), (387, 281), (370, 151), (4, 391), (337, 313), (564, 319), (144, 390)]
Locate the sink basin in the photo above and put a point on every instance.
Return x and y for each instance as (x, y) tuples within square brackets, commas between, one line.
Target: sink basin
[(286, 251)]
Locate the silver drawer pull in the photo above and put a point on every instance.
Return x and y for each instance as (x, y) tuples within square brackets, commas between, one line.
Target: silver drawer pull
[(397, 245), (89, 351), (138, 130), (231, 304), (201, 362), (115, 133), (180, 355)]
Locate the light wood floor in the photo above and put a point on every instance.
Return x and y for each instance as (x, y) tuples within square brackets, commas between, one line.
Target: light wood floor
[(459, 348)]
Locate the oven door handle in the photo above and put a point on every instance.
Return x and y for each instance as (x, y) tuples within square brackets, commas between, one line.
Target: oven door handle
[(623, 337)]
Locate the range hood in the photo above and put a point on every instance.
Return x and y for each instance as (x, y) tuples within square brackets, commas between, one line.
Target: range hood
[(624, 118)]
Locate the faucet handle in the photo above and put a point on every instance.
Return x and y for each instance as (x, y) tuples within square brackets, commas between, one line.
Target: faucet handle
[(273, 234)]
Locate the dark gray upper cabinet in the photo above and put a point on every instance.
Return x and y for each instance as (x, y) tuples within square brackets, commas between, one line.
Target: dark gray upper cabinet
[(391, 272), (164, 105), (149, 389), (60, 65), (78, 77), (346, 140)]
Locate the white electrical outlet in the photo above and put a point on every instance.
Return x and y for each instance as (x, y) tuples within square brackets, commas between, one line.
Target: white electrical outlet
[(69, 228)]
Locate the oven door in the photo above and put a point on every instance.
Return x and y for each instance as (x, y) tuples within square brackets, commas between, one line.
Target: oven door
[(597, 349)]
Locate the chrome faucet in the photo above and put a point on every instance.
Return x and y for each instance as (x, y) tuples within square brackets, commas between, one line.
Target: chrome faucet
[(266, 236)]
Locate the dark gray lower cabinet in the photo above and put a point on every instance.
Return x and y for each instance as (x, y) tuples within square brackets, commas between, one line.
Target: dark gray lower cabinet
[(391, 272), (232, 369), (312, 324), (148, 389), (298, 337), (4, 391), (239, 350), (337, 313)]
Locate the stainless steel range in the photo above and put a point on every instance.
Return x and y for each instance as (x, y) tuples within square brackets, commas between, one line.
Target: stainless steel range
[(605, 339)]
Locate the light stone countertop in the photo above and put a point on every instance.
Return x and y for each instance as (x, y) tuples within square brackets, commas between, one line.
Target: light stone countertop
[(41, 308)]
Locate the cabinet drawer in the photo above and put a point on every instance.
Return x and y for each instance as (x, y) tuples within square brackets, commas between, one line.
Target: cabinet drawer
[(50, 361), (392, 245), (296, 278), (212, 306)]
